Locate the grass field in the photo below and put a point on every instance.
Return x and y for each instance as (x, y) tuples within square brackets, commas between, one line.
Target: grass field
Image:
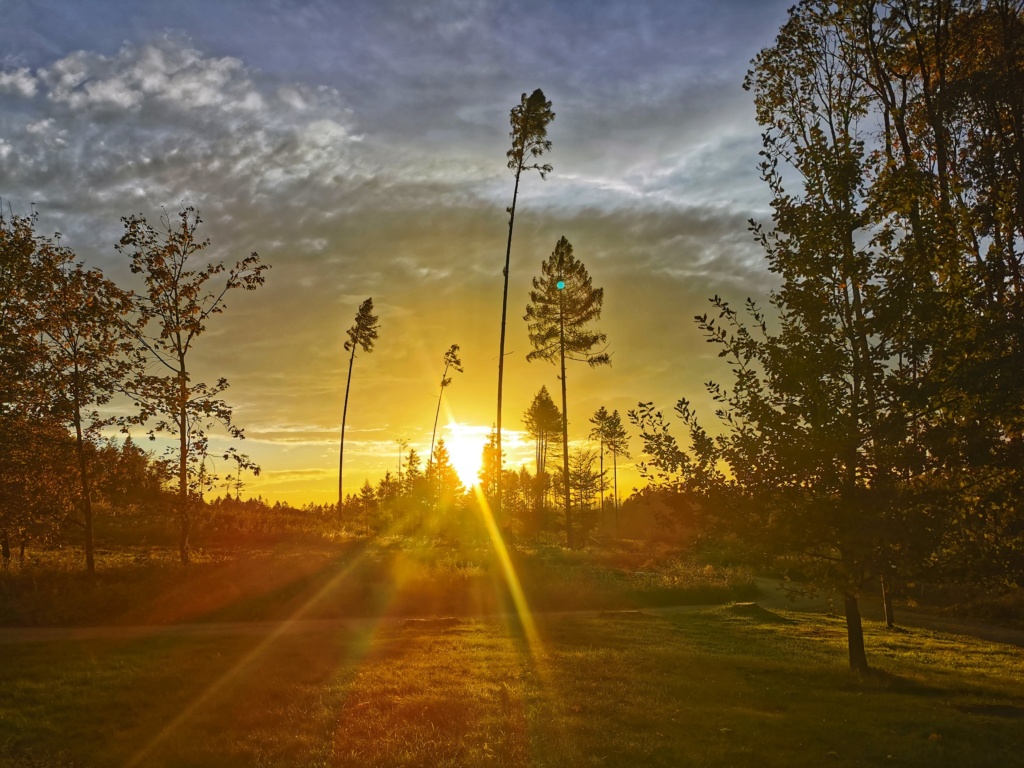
[(727, 686), (395, 576)]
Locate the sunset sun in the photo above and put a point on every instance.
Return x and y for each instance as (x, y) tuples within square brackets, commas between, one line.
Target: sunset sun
[(465, 444)]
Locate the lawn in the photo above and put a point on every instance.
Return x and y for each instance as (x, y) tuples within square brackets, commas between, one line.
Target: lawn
[(725, 686)]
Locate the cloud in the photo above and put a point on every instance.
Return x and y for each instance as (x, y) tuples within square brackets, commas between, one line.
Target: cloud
[(377, 168), (19, 81)]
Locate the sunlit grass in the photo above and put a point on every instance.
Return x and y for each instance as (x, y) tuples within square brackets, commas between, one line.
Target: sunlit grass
[(718, 687), (396, 575)]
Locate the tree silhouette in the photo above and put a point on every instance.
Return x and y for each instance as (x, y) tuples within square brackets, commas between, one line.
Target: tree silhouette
[(529, 119), (451, 360), (601, 433), (617, 441), (36, 488), (362, 334), (178, 302), (563, 303), (543, 421), (442, 476)]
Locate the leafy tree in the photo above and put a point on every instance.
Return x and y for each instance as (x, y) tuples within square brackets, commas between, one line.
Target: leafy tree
[(242, 464), (181, 295), (363, 333), (38, 481), (451, 361), (530, 120), (33, 456), (563, 303), (90, 353)]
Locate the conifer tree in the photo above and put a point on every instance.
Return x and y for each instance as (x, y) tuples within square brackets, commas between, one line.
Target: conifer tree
[(563, 303)]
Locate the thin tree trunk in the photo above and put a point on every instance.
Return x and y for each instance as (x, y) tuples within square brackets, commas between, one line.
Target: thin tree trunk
[(5, 547), (86, 500), (615, 488), (565, 427), (855, 636), (890, 618), (341, 450), (183, 511), (433, 435), (501, 345), (604, 523)]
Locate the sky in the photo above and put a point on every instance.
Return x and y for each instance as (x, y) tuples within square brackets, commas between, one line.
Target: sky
[(359, 147)]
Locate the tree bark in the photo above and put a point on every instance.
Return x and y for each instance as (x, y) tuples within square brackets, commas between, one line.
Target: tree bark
[(855, 636)]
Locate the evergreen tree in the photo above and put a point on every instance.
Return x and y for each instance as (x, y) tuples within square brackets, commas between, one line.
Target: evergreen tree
[(563, 303)]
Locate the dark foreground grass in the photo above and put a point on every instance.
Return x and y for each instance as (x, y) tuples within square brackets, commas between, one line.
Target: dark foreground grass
[(719, 687)]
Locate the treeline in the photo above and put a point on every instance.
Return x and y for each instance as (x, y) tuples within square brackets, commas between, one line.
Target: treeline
[(431, 499), (80, 355)]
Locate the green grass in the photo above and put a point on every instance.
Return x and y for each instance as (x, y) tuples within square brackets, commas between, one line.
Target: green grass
[(727, 686)]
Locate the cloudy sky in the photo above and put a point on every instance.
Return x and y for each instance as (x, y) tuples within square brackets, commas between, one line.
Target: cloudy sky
[(359, 147)]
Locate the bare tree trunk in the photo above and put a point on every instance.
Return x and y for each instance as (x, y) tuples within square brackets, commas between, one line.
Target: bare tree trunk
[(5, 547), (501, 345), (341, 450), (855, 636), (565, 430), (615, 484)]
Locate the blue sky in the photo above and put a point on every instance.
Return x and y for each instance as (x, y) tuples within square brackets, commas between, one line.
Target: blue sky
[(359, 147)]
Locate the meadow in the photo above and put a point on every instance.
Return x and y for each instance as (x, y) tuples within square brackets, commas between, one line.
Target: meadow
[(734, 685), (279, 649)]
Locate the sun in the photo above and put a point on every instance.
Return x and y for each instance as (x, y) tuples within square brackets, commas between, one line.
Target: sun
[(465, 444)]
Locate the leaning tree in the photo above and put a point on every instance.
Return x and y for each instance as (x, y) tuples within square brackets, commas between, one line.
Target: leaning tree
[(363, 333)]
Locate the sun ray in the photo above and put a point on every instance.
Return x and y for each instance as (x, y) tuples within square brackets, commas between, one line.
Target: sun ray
[(511, 577)]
